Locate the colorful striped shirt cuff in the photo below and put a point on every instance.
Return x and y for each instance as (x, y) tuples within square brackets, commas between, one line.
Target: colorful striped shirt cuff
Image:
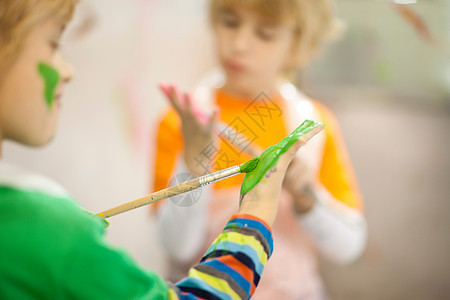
[(233, 265)]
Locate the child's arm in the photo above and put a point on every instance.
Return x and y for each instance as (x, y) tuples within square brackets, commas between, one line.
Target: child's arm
[(339, 231), (233, 265)]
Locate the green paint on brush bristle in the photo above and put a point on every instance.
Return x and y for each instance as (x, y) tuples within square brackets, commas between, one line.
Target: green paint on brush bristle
[(102, 217), (270, 156), (51, 79), (249, 165)]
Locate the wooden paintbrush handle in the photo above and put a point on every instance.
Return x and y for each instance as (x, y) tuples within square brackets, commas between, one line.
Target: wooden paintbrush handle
[(153, 197)]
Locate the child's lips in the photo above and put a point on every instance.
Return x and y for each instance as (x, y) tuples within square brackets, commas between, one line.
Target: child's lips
[(234, 66), (58, 97)]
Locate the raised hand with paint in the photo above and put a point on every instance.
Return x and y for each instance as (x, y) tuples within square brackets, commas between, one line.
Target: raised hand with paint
[(269, 165), (197, 128)]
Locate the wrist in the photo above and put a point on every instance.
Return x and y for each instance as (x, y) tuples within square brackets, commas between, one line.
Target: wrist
[(195, 165), (265, 214), (265, 211)]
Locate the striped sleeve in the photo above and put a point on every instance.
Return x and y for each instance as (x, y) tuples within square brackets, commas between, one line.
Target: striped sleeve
[(232, 266)]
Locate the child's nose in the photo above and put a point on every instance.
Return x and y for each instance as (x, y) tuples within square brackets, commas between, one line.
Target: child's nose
[(64, 68), (242, 40)]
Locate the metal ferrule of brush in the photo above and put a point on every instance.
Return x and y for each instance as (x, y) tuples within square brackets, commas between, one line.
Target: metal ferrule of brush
[(219, 175)]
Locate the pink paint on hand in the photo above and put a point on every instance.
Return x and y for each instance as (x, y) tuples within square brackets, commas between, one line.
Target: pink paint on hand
[(166, 89)]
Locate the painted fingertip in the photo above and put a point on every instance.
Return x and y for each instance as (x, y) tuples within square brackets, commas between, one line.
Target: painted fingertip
[(188, 98), (177, 93), (173, 92), (165, 90)]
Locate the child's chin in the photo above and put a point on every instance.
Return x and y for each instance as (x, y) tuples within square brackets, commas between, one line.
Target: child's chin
[(39, 141)]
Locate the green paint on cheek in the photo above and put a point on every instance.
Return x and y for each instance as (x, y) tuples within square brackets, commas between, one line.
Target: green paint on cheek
[(51, 79), (270, 156)]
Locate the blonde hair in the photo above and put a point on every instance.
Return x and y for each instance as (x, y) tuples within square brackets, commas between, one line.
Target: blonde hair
[(314, 21), (17, 18)]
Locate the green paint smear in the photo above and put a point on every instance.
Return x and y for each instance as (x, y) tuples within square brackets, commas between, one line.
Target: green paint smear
[(249, 165), (270, 156), (51, 79)]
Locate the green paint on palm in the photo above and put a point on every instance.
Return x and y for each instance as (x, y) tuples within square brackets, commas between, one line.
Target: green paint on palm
[(270, 156), (51, 79)]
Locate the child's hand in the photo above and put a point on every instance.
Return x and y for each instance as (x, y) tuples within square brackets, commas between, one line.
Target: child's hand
[(197, 128), (262, 200), (299, 183)]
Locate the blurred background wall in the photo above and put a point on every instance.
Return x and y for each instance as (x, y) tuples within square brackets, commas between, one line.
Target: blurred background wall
[(387, 79)]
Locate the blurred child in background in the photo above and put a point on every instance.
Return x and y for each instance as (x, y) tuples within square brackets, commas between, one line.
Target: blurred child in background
[(246, 106)]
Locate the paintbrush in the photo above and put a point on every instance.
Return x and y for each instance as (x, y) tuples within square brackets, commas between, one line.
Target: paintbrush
[(197, 182), (182, 188)]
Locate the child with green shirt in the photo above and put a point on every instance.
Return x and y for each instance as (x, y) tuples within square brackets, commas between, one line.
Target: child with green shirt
[(50, 248)]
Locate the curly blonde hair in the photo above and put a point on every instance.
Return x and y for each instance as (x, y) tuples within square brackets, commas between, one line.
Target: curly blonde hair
[(17, 18), (314, 21)]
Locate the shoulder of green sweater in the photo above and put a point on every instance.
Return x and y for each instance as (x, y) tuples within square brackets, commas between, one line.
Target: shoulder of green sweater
[(38, 198), (41, 211), (20, 179)]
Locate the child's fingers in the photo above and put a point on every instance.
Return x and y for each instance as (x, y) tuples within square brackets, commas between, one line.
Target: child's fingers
[(303, 139), (287, 158), (175, 100), (291, 171), (179, 96), (193, 110), (296, 175), (295, 147), (165, 89), (187, 104), (170, 95), (212, 120), (290, 153)]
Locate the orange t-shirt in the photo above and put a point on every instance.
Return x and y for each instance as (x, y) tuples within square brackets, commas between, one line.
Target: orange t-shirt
[(256, 126)]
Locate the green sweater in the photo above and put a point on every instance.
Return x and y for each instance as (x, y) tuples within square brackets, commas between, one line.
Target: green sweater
[(51, 249)]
